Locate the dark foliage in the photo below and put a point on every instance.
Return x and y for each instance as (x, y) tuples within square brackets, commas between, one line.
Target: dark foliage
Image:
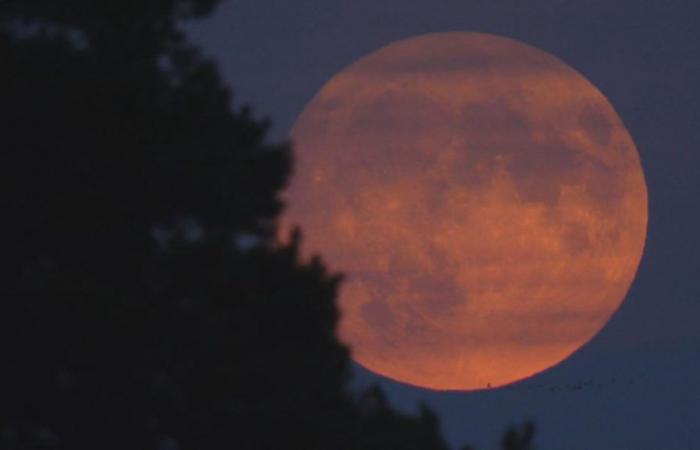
[(130, 318), (519, 439)]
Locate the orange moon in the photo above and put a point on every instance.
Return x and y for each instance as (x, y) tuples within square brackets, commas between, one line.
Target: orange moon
[(485, 201)]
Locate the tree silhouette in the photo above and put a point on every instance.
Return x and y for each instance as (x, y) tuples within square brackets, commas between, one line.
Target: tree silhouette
[(144, 302), (133, 315), (515, 439)]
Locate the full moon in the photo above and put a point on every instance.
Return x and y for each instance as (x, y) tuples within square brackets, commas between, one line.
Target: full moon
[(484, 200)]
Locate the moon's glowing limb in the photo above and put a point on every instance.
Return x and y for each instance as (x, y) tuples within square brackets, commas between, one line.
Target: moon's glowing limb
[(485, 200)]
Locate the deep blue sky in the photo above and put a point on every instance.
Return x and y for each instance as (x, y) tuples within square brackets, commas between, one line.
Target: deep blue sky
[(639, 375)]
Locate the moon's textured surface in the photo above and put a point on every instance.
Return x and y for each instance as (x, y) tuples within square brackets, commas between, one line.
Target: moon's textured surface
[(485, 201)]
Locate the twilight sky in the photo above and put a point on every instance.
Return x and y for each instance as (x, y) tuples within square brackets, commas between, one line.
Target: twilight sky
[(634, 385)]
